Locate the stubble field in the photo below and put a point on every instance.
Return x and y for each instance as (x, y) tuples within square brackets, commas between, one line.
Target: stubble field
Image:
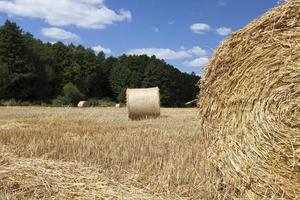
[(98, 153)]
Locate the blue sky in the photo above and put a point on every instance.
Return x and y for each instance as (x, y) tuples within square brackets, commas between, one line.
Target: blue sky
[(184, 33)]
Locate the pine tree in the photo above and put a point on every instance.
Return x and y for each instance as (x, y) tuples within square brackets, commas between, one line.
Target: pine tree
[(13, 53)]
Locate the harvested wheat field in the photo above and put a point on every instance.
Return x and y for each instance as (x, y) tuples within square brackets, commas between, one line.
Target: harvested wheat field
[(98, 153)]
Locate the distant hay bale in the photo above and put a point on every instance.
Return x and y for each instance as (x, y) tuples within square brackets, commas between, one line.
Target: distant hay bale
[(249, 107), (83, 104), (118, 105), (143, 103)]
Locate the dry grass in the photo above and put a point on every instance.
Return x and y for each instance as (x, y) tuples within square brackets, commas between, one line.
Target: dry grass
[(96, 153)]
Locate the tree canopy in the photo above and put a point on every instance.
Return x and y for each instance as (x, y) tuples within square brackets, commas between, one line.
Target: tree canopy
[(31, 70)]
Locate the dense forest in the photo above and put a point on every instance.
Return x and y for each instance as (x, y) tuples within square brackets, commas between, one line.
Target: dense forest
[(34, 71)]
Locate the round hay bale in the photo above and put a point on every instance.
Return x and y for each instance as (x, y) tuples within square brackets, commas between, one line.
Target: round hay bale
[(118, 105), (83, 104), (143, 103), (249, 107)]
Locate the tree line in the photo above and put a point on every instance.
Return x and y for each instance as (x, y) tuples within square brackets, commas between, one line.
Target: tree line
[(34, 71)]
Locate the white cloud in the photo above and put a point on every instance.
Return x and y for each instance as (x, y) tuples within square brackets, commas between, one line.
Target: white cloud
[(198, 51), (198, 62), (60, 34), (169, 54), (92, 1), (224, 31), (99, 48), (222, 3), (281, 1), (156, 30), (200, 28), (171, 22), (91, 14)]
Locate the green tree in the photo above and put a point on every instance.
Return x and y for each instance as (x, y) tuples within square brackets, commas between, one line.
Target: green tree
[(156, 75), (41, 68), (4, 80), (71, 94), (14, 55), (120, 76), (61, 60)]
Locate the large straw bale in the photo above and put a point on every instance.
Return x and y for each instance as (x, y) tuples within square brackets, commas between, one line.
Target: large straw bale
[(143, 103), (250, 110)]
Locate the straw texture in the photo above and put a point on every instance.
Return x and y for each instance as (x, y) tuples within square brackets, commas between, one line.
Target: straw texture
[(250, 110), (32, 178), (143, 103)]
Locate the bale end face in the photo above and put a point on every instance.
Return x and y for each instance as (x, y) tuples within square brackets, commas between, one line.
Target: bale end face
[(83, 104), (249, 107), (143, 103)]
